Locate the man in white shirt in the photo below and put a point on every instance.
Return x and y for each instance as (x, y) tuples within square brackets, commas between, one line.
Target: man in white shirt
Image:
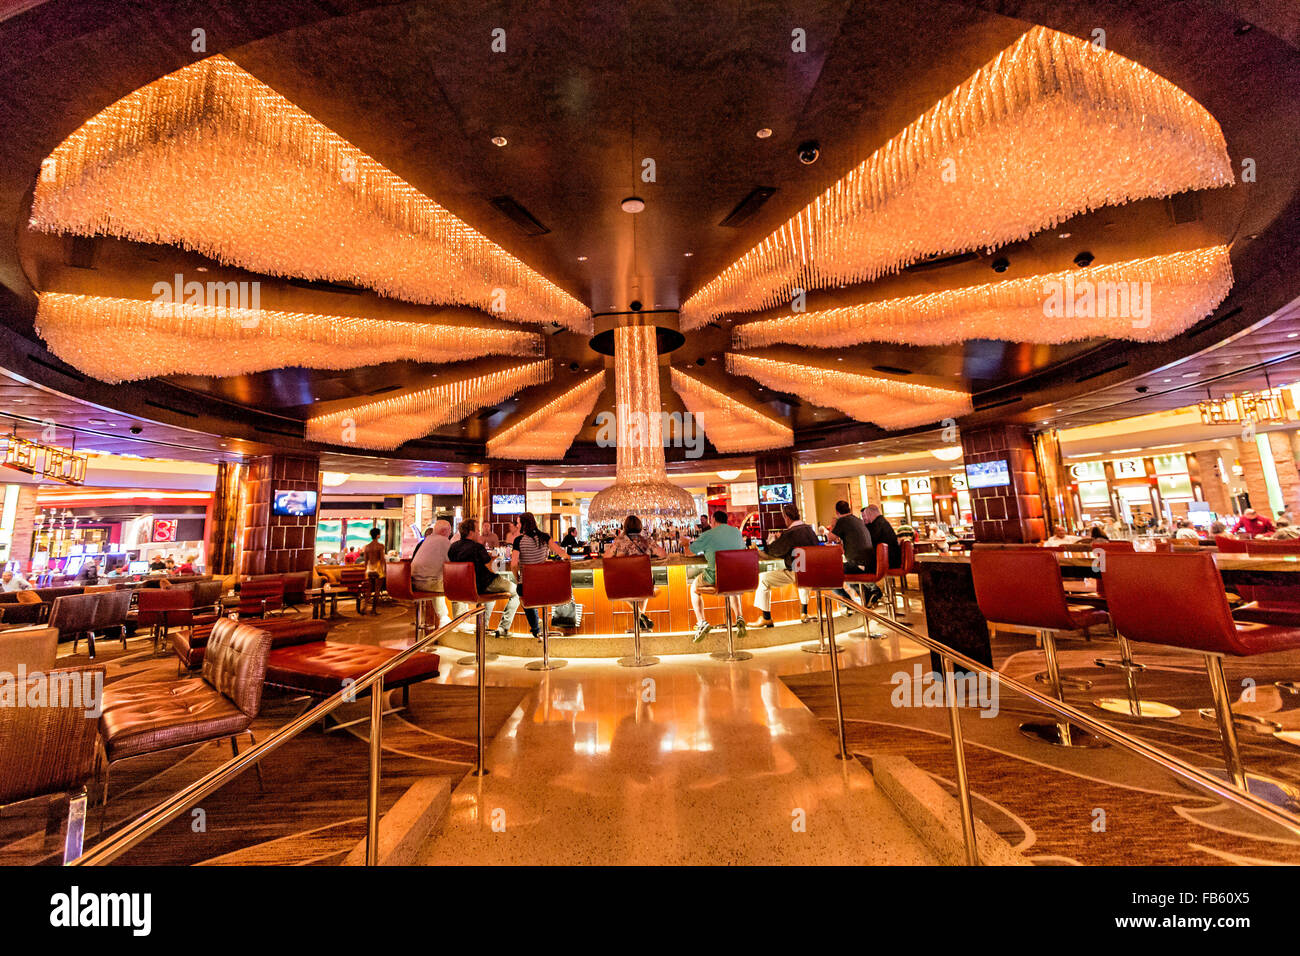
[(426, 565), (11, 581)]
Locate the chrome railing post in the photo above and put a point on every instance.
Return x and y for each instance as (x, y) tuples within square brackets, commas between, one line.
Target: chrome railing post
[(376, 749), (959, 758), (826, 625), (480, 657)]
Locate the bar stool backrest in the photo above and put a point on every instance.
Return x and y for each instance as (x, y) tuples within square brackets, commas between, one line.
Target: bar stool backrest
[(459, 583), (545, 584), (398, 576), (906, 558), (1021, 586), (1268, 546), (819, 567), (1100, 544), (1174, 599), (151, 603), (736, 570), (628, 578), (1229, 545)]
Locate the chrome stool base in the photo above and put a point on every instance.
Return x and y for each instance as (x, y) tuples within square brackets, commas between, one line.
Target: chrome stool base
[(472, 661), (637, 661), (820, 649), (1074, 683), (547, 665), (1149, 708), (732, 656), (1071, 736), (1269, 789)]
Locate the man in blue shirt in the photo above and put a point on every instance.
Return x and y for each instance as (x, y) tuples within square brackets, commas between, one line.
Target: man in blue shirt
[(720, 537)]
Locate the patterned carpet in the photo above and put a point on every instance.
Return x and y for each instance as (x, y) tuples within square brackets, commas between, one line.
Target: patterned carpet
[(314, 805), (1089, 807)]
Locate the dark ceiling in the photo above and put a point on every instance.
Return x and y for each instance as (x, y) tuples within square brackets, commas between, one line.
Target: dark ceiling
[(584, 93)]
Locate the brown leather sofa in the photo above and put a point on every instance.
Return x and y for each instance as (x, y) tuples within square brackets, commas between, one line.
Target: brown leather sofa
[(141, 719), (190, 643)]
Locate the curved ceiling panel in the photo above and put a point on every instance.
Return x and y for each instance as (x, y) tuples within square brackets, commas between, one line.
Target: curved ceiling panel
[(547, 433), (732, 426), (1052, 127)]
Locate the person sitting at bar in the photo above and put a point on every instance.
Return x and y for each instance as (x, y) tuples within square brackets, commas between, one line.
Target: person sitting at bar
[(427, 560), (850, 533), (721, 536), (532, 545), (796, 535), (469, 547), (632, 540), (1186, 531), (157, 564), (14, 581), (1253, 523), (880, 529), (89, 573)]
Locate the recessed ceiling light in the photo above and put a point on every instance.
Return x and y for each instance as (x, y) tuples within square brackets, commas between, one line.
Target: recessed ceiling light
[(96, 421), (1291, 335), (688, 254), (763, 133), (582, 258), (1190, 374), (632, 204), (499, 141), (1167, 380)]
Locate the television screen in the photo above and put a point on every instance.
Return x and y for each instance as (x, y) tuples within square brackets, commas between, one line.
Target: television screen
[(507, 504), (294, 503), (987, 474), (138, 567), (782, 494)]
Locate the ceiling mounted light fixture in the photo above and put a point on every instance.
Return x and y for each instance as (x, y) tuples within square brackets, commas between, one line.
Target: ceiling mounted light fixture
[(728, 475), (211, 159), (943, 184), (547, 432), (947, 453), (763, 133), (633, 204), (731, 425), (499, 141), (551, 482)]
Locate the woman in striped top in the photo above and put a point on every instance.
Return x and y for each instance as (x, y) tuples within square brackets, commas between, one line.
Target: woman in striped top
[(532, 546)]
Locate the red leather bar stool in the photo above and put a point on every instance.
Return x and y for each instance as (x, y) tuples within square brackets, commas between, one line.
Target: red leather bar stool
[(1023, 587), (630, 578), (821, 569), (736, 572), (400, 588), (896, 580), (880, 574), (545, 585), (1133, 705), (459, 584), (1178, 600)]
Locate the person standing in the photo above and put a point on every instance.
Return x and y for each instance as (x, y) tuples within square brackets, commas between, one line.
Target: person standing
[(532, 545), (374, 556), (721, 536), (1253, 523), (851, 533), (796, 535), (469, 548)]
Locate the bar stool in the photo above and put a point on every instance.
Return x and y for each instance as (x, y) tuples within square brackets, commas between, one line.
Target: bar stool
[(874, 577), (896, 580), (460, 584), (1178, 600), (1133, 705), (161, 609), (735, 572), (400, 588), (821, 569), (631, 579), (545, 585), (1023, 587)]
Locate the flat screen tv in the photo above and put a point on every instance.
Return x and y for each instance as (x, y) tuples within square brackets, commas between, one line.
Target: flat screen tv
[(987, 474), (782, 494), (294, 503), (508, 504)]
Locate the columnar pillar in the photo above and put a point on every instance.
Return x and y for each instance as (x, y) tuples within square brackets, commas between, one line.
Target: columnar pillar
[(1252, 473), (223, 521), (24, 529), (503, 479), (1214, 483), (1288, 476), (774, 468), (271, 543), (1058, 502), (1011, 512), (473, 490)]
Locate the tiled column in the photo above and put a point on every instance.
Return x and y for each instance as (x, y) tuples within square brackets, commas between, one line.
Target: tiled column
[(1288, 477), (1213, 485), (773, 469), (20, 545), (1012, 512), (1252, 473), (223, 525), (503, 480), (274, 544), (473, 489)]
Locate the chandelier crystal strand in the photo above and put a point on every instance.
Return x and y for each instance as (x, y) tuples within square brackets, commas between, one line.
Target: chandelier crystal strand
[(1143, 300), (390, 422), (731, 426), (213, 160), (641, 486), (1050, 128), (888, 403), (548, 432), (117, 340)]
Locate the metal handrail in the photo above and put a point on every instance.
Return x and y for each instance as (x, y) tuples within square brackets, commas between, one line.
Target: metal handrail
[(950, 657), (154, 819)]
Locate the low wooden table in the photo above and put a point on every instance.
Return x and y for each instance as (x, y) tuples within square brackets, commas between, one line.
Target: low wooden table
[(318, 597)]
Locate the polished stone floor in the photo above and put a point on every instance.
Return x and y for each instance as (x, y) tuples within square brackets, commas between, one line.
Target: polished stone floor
[(689, 761)]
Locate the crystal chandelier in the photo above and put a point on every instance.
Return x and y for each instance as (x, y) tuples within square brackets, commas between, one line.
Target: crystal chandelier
[(888, 403), (548, 432), (1050, 128), (389, 422), (641, 486), (1145, 300), (213, 160), (731, 425), (119, 340)]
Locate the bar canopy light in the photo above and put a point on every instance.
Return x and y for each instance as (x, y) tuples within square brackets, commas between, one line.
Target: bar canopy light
[(548, 432)]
